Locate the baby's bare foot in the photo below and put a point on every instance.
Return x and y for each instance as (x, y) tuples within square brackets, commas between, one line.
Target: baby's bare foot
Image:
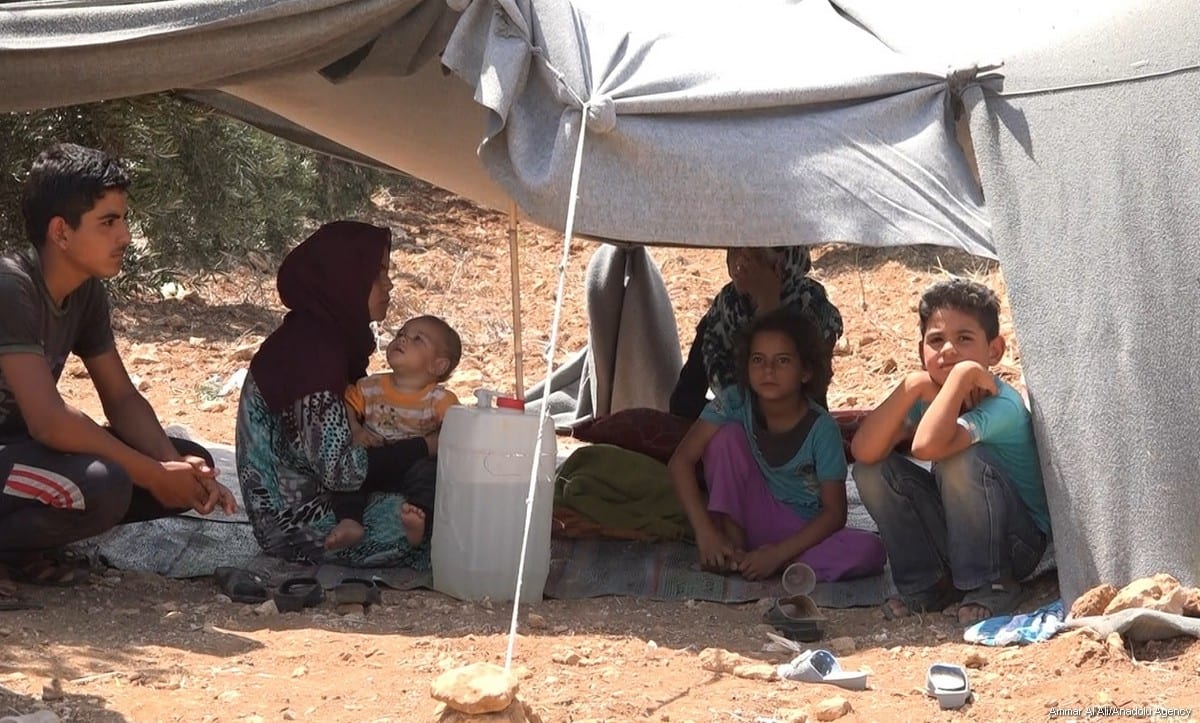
[(413, 520), (346, 533)]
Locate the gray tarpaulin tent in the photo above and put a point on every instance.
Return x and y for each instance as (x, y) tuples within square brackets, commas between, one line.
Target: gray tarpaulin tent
[(776, 122)]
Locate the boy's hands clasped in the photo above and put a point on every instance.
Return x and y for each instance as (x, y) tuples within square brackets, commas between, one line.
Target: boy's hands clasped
[(191, 483)]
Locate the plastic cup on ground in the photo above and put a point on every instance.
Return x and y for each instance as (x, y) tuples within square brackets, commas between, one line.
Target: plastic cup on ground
[(799, 579)]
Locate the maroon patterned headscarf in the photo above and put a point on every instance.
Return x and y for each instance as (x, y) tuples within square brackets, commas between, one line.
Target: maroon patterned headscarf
[(325, 341)]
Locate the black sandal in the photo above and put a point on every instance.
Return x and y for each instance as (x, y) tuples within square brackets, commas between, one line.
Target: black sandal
[(931, 600), (46, 571), (241, 585), (796, 618), (357, 590), (298, 593)]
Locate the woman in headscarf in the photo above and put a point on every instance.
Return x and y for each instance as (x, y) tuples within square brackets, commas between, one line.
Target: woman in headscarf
[(761, 280), (293, 434)]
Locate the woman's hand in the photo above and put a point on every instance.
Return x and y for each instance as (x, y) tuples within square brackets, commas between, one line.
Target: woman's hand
[(757, 274), (762, 562)]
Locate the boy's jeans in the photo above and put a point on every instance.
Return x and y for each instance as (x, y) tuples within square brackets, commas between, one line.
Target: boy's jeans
[(964, 517)]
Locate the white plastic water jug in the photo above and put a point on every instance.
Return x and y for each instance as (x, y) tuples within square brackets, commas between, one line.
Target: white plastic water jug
[(485, 458)]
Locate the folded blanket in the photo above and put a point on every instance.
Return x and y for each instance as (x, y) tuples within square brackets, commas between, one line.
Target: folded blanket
[(620, 489)]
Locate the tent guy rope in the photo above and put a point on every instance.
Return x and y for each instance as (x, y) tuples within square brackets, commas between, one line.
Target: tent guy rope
[(568, 233)]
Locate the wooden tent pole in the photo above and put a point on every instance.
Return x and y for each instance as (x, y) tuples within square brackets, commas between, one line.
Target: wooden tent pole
[(514, 256)]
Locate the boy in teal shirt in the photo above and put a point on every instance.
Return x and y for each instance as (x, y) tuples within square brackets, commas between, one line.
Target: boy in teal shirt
[(977, 523)]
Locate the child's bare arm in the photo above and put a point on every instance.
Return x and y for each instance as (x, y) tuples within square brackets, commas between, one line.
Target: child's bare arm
[(769, 559), (939, 435), (715, 550), (360, 435), (885, 427)]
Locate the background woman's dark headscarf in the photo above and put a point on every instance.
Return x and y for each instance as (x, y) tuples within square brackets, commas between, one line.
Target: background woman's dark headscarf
[(325, 341), (732, 312)]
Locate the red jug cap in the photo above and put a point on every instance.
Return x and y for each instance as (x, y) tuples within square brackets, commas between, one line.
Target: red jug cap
[(510, 403)]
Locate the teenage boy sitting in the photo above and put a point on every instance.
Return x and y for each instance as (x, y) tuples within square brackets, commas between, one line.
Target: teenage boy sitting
[(976, 524), (65, 477)]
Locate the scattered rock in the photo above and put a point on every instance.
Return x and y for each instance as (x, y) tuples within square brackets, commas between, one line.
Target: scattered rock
[(213, 405), (719, 660), (1093, 601), (1191, 602), (566, 657), (756, 671), (244, 353), (792, 715), (228, 695), (476, 688), (536, 622), (832, 708), (975, 659), (223, 598), (143, 354), (267, 608), (1115, 643), (842, 347), (1161, 592), (289, 714), (52, 690), (1088, 649), (842, 647), (300, 671), (349, 609), (515, 712)]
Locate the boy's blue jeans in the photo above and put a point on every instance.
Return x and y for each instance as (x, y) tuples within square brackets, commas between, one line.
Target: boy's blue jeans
[(963, 517)]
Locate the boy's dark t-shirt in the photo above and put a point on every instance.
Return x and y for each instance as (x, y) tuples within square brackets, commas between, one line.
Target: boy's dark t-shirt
[(31, 322)]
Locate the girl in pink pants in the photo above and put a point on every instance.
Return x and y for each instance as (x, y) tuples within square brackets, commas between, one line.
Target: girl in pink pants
[(774, 465)]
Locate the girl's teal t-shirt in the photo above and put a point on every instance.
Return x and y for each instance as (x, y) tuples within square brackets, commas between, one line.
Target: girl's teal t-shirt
[(797, 483)]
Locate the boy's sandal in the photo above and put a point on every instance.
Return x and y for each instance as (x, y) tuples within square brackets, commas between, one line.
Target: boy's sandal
[(8, 603), (948, 682), (995, 598), (44, 570), (822, 666), (297, 593), (357, 590), (933, 600), (796, 618), (9, 599), (241, 585)]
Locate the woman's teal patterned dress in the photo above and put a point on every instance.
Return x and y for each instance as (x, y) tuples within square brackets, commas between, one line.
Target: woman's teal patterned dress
[(289, 461)]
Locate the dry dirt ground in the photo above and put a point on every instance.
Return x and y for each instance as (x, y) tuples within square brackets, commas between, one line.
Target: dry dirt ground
[(136, 647)]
